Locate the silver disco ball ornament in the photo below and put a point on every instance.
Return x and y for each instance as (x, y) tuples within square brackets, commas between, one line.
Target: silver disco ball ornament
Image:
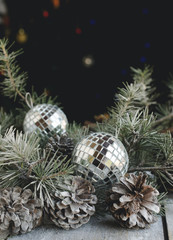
[(45, 119), (101, 158)]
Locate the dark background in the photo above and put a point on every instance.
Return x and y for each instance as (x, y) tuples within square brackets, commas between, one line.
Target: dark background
[(117, 34)]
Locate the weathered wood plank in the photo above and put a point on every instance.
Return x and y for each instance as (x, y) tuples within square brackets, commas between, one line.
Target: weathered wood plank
[(169, 216), (103, 229)]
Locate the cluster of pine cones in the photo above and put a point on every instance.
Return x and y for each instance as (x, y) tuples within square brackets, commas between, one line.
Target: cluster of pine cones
[(131, 201), (72, 208)]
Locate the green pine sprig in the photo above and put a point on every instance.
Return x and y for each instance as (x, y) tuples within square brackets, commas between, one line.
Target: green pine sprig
[(132, 121), (46, 176), (135, 96), (6, 120), (18, 148), (23, 163), (77, 131), (14, 81), (164, 110)]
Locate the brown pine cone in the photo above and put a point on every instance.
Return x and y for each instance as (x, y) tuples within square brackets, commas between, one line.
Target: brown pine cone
[(74, 207), (19, 212), (61, 145), (132, 202)]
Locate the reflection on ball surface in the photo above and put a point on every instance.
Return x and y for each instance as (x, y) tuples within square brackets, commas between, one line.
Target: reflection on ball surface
[(101, 157), (46, 119)]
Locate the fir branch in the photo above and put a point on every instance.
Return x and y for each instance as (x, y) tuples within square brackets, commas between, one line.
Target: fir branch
[(14, 81), (132, 97), (143, 79), (163, 148), (23, 163), (163, 119), (43, 98), (169, 84), (46, 175), (124, 100), (131, 122), (76, 131), (32, 165), (165, 181), (6, 120), (136, 132), (17, 147), (11, 177), (164, 111), (136, 95), (143, 169)]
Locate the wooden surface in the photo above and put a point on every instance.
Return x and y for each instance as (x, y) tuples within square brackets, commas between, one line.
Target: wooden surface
[(95, 230), (105, 229), (169, 216)]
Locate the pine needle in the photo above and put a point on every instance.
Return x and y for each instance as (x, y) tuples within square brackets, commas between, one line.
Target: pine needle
[(6, 120), (132, 121), (17, 147), (76, 131), (47, 175), (23, 163), (14, 80)]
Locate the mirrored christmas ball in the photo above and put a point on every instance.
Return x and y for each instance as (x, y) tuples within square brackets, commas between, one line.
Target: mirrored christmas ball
[(100, 157), (46, 119)]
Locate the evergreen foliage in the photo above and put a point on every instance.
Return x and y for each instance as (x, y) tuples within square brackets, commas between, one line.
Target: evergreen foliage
[(14, 80), (6, 120), (24, 162), (132, 121), (77, 131), (14, 84)]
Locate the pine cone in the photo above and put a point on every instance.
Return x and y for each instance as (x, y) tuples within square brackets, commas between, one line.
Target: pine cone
[(19, 212), (74, 207), (132, 202), (62, 145)]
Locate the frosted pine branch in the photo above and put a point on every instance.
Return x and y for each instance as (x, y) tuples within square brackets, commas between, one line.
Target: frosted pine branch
[(14, 80)]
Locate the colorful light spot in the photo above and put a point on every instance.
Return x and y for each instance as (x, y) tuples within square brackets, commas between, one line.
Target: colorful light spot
[(123, 71), (78, 31), (92, 21), (56, 3), (143, 59), (147, 45), (45, 14), (21, 36), (88, 61)]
